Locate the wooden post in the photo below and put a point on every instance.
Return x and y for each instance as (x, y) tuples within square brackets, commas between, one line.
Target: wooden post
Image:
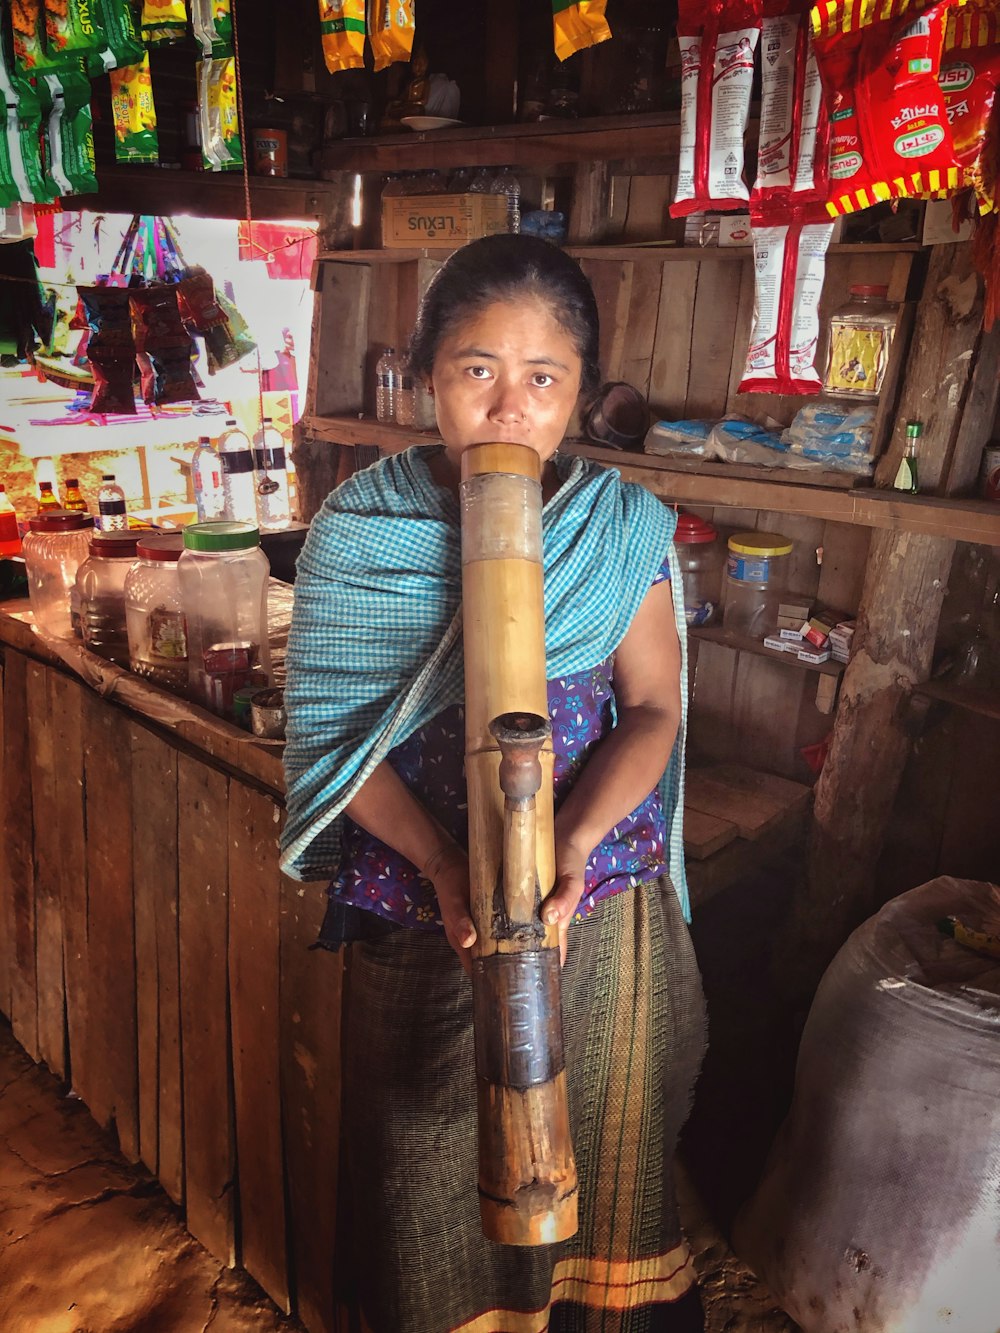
[(527, 1174)]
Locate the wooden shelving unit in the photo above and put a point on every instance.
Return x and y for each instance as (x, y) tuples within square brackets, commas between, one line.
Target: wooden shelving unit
[(654, 252), (961, 520), (745, 643), (984, 703), (204, 194)]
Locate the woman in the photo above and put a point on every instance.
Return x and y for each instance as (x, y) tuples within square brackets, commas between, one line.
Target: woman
[(506, 341)]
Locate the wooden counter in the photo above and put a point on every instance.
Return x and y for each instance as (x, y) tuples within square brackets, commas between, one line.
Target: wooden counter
[(152, 954)]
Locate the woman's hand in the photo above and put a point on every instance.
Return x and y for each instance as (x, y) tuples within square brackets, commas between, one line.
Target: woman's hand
[(562, 902), (448, 870)]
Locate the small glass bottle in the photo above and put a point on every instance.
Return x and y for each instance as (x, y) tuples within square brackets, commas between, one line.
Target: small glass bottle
[(10, 533), (906, 476), (385, 385), (46, 498), (111, 515), (507, 184), (239, 484), (73, 499)]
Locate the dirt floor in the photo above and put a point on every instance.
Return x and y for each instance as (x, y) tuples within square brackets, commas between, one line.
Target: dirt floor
[(90, 1244)]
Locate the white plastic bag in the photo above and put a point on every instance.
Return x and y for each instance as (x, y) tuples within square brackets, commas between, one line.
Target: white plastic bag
[(879, 1208)]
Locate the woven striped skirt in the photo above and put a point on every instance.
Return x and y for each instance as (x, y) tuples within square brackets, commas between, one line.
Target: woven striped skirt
[(634, 1026)]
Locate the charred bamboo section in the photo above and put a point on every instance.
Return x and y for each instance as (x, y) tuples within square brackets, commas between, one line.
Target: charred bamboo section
[(527, 1173)]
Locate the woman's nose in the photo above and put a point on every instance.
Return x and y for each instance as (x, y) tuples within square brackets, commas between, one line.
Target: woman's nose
[(508, 403)]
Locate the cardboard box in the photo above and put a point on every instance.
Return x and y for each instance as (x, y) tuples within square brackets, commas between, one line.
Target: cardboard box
[(780, 645), (938, 229), (440, 221), (792, 614), (734, 229), (815, 656)]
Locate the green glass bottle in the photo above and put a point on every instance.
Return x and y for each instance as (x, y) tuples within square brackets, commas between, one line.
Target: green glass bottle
[(907, 477)]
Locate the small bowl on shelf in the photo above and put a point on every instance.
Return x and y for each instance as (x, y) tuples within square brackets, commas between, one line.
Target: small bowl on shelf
[(420, 124)]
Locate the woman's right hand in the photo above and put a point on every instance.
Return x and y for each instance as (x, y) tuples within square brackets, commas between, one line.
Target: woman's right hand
[(448, 871)]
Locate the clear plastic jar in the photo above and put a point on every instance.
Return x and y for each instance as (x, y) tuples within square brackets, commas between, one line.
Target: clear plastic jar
[(154, 612), (756, 576), (223, 576), (55, 546), (100, 593), (699, 553), (861, 334)]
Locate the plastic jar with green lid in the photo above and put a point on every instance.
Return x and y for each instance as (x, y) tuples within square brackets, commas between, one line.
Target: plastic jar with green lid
[(756, 575), (223, 577)]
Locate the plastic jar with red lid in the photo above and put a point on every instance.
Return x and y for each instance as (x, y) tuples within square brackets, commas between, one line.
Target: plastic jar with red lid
[(701, 557), (100, 594), (55, 546), (154, 612)]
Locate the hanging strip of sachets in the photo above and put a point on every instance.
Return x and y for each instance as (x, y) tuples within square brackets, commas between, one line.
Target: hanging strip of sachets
[(342, 32), (577, 24), (212, 25), (794, 128), (390, 31), (717, 44)]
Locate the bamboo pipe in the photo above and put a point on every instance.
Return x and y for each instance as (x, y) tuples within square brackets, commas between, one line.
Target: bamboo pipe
[(527, 1173)]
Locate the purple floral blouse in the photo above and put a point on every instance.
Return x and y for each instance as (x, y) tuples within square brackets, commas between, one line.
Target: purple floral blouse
[(375, 877)]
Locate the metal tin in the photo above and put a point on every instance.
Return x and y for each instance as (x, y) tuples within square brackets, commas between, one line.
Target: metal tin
[(267, 714)]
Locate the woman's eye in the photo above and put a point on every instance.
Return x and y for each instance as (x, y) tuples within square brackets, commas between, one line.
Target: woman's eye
[(479, 372), (541, 380)]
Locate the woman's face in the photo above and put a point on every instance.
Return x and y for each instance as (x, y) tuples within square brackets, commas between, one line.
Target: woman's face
[(509, 373)]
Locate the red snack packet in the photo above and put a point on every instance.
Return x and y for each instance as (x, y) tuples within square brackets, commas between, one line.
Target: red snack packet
[(794, 127), (789, 268), (110, 348), (161, 337), (889, 133), (717, 44), (970, 72)]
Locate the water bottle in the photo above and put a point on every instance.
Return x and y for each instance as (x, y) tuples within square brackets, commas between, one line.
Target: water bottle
[(239, 484), (206, 476), (507, 184), (111, 516), (385, 385), (406, 395), (273, 507)]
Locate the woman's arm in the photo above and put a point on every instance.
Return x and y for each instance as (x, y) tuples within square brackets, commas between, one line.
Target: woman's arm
[(626, 765), (387, 808)]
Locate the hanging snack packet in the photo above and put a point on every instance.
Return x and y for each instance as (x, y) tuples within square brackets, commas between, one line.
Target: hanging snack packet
[(212, 23), (230, 342), (27, 27), (889, 133), (342, 31), (134, 113), (21, 126), (970, 72), (121, 45), (65, 95), (110, 348), (221, 146), (717, 44), (161, 337), (577, 24), (199, 309), (790, 264), (72, 30), (390, 31), (794, 129), (163, 22)]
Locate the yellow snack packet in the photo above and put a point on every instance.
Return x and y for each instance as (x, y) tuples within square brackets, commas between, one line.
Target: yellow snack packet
[(164, 21), (342, 27), (577, 24), (134, 113), (390, 30)]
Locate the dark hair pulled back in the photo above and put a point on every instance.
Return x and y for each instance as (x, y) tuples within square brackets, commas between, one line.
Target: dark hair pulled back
[(506, 268)]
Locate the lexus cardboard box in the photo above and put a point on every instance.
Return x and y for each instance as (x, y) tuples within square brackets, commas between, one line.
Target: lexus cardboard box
[(440, 221)]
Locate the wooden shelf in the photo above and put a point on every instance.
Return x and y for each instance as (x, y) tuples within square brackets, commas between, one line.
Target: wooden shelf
[(203, 194), (544, 145), (745, 643), (961, 520), (653, 253), (984, 703)]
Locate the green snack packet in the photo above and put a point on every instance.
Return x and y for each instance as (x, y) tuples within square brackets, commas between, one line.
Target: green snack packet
[(65, 95), (121, 45), (221, 146), (27, 30), (134, 113), (72, 29), (22, 120), (212, 22)]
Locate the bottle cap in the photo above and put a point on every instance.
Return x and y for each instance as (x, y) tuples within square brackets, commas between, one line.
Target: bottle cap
[(114, 545), (868, 289), (107, 476), (72, 481), (221, 535), (759, 543), (160, 546), (204, 439), (60, 520), (914, 429)]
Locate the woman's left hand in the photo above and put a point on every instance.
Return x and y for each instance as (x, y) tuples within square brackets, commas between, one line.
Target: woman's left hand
[(562, 902)]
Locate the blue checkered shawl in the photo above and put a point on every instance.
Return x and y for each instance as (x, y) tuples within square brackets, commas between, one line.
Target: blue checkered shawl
[(375, 647)]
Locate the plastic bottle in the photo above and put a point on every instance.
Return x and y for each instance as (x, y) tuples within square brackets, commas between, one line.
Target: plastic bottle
[(74, 500), (273, 508), (385, 385), (111, 515), (507, 184), (10, 534), (406, 394), (481, 183), (239, 484), (223, 577), (206, 477), (47, 499)]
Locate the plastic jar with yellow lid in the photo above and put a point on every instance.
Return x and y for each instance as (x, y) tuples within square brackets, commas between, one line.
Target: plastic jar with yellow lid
[(756, 576)]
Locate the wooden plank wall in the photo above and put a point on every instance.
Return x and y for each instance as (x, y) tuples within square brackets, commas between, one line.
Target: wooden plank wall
[(154, 957)]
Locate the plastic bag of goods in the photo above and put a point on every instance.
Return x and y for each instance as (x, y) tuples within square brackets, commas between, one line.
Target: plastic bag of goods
[(879, 1207), (835, 435), (687, 439), (733, 440)]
